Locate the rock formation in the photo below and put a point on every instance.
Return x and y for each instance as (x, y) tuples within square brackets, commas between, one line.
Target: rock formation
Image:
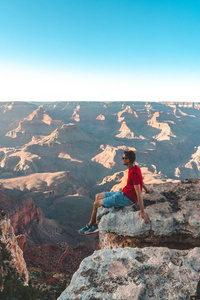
[(100, 117), (160, 260), (75, 115), (37, 119), (66, 134), (107, 157), (21, 240), (27, 218), (17, 161), (195, 159), (125, 132), (8, 239), (165, 128), (134, 273), (126, 110), (174, 210)]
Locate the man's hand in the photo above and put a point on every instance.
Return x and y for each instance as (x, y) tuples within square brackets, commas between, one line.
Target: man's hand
[(149, 191), (145, 217)]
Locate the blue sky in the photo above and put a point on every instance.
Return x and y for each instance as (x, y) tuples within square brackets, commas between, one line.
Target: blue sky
[(99, 50)]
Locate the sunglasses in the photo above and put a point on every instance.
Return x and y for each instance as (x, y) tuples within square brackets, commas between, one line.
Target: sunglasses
[(124, 157)]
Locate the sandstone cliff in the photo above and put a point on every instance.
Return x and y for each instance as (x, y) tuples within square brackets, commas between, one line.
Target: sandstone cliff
[(160, 260), (27, 218), (9, 241)]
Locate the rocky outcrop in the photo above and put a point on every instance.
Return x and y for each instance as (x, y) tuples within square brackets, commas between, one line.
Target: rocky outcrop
[(125, 110), (21, 240), (125, 132), (195, 159), (100, 117), (8, 239), (160, 260), (75, 115), (165, 128), (17, 161), (174, 211), (149, 273)]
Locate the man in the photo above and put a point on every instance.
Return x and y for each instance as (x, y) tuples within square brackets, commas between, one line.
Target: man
[(130, 194)]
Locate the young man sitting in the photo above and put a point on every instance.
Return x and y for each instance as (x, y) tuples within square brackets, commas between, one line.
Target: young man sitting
[(130, 194)]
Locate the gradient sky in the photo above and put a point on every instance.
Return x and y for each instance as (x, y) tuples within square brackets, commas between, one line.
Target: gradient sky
[(99, 50)]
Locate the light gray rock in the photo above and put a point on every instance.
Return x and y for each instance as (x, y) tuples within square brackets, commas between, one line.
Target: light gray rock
[(174, 211), (126, 269), (134, 273)]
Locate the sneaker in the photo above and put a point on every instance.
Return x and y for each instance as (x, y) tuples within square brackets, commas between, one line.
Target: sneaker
[(92, 229), (83, 230)]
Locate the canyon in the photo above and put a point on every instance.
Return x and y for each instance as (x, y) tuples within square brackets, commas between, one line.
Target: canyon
[(54, 158)]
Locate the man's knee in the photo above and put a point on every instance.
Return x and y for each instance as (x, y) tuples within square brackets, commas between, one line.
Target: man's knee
[(98, 203), (99, 196)]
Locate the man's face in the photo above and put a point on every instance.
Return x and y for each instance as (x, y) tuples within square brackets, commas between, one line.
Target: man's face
[(125, 160)]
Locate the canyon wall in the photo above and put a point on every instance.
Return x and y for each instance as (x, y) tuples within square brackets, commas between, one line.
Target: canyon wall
[(9, 242)]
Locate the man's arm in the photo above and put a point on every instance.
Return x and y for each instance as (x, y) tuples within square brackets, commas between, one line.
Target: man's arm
[(141, 204)]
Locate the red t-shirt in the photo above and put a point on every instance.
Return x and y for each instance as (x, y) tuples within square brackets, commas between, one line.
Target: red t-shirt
[(134, 178)]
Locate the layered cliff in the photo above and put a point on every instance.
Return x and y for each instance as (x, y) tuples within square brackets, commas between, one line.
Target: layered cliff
[(27, 218), (143, 261), (10, 251)]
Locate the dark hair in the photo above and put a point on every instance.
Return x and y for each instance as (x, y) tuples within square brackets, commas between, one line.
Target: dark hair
[(130, 155)]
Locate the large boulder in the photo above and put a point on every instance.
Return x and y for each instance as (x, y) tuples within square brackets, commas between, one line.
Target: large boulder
[(134, 273), (174, 211)]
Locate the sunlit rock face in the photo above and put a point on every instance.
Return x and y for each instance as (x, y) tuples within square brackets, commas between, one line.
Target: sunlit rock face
[(164, 127), (7, 238), (37, 122), (195, 160), (134, 273), (125, 132), (70, 135)]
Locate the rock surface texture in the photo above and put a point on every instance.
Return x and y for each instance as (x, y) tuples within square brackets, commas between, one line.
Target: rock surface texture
[(7, 237), (160, 260), (174, 211), (134, 273)]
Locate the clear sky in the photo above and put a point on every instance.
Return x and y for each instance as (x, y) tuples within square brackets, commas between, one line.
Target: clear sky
[(146, 50)]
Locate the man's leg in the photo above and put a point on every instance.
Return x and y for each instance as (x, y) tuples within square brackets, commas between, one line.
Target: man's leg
[(97, 203)]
